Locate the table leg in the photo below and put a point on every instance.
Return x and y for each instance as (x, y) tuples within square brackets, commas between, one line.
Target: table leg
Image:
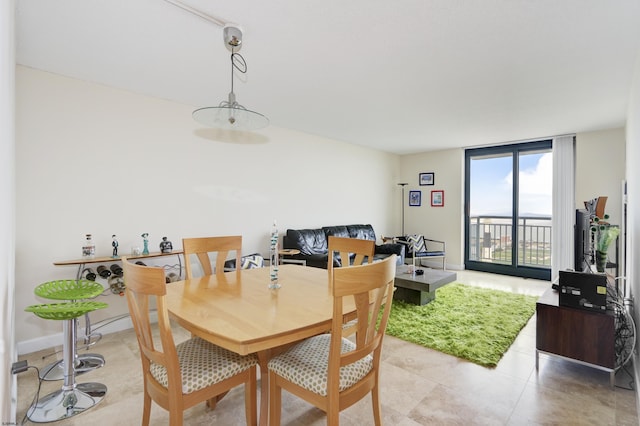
[(263, 359), (612, 379)]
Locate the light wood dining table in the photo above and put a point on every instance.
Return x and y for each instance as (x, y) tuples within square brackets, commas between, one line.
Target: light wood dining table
[(237, 310)]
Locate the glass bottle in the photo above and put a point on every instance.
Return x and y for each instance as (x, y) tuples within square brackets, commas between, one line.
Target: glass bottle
[(89, 248), (273, 257), (145, 242)]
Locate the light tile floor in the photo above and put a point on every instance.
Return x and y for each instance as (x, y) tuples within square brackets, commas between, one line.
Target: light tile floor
[(419, 386)]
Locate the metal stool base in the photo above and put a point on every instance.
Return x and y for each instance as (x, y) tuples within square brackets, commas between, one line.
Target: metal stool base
[(84, 363), (63, 404)]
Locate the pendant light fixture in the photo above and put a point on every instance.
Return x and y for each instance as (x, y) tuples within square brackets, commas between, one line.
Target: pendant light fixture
[(229, 114)]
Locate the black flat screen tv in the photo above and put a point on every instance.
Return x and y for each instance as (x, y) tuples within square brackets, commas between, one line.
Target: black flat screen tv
[(582, 241)]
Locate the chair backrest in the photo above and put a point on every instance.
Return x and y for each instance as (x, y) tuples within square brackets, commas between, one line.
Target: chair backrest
[(362, 249), (146, 287), (371, 287), (344, 247), (201, 247)]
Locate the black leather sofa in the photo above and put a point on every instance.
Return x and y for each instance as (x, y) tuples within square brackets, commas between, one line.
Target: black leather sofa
[(313, 243)]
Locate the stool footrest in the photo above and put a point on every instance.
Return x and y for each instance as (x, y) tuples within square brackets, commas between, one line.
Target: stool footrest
[(84, 363)]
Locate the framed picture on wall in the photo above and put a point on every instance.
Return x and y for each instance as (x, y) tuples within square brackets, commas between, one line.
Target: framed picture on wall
[(415, 198), (426, 178), (437, 198)]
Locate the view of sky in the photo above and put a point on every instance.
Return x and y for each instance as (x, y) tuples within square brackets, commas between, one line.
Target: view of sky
[(492, 182)]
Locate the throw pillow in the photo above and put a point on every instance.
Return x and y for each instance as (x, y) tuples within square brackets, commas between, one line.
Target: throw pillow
[(252, 261), (416, 244)]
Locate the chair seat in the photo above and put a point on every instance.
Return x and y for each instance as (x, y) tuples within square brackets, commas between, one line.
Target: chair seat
[(429, 254), (306, 365), (203, 364), (69, 289), (64, 311)]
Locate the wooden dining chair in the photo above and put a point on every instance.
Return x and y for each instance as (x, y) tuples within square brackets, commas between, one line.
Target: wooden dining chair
[(355, 251), (180, 376), (201, 247), (329, 370)]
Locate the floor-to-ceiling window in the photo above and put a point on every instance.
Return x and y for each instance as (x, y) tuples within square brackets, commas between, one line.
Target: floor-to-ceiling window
[(508, 209)]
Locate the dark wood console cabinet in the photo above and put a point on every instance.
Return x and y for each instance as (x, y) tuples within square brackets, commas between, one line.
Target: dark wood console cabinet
[(575, 334)]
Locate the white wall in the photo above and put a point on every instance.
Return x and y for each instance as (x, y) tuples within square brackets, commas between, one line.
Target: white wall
[(633, 200), (439, 223), (600, 169), (93, 159)]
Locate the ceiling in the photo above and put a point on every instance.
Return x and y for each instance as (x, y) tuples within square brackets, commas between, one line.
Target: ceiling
[(400, 76)]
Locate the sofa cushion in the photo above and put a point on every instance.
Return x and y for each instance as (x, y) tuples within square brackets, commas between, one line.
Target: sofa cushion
[(336, 231), (308, 241), (362, 232), (314, 260), (313, 243), (378, 257), (391, 248)]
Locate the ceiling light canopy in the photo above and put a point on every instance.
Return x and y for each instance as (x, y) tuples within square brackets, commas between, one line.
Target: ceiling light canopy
[(229, 114)]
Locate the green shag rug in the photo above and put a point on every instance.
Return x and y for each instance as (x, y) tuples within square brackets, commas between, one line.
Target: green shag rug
[(473, 323)]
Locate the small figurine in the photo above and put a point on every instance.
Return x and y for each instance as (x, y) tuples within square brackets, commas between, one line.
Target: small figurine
[(166, 246), (145, 239), (114, 244)]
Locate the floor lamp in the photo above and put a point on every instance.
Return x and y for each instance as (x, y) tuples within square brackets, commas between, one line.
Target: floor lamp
[(403, 185)]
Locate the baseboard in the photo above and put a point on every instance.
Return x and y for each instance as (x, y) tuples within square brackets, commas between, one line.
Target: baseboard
[(54, 341), (636, 379), (436, 264)]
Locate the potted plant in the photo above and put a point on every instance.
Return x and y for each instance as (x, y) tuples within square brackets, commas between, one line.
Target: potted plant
[(603, 235)]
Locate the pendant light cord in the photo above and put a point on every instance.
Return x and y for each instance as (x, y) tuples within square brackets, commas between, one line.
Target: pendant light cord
[(238, 63)]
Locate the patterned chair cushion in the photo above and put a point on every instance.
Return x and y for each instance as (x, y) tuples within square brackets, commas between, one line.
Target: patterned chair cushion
[(202, 364), (306, 365), (250, 261), (416, 244)]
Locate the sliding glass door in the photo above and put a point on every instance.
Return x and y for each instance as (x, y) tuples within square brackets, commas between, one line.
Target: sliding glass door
[(508, 209)]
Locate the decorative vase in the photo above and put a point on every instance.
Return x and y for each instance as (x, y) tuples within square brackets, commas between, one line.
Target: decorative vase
[(601, 260)]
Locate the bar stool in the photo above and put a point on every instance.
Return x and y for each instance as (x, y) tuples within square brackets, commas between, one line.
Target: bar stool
[(73, 398), (70, 290)]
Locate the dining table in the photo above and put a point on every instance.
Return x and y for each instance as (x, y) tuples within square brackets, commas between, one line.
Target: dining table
[(240, 312)]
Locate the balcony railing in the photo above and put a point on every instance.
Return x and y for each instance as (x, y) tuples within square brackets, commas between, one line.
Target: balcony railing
[(491, 240)]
